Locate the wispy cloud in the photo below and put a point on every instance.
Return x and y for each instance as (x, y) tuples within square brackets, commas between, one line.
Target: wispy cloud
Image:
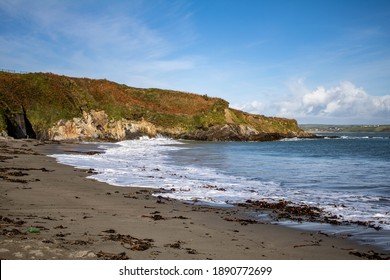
[(61, 36)]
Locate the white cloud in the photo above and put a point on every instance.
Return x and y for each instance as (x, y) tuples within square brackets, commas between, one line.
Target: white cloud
[(345, 103), (255, 107)]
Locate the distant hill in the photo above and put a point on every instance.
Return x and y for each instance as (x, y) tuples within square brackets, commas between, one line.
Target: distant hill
[(51, 106), (315, 128)]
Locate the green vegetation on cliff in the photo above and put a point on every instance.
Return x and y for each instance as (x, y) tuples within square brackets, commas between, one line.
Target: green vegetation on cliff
[(48, 98)]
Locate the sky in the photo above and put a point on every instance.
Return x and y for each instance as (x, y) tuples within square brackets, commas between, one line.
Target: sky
[(318, 61)]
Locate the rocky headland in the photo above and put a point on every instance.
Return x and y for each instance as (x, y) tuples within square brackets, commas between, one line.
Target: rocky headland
[(54, 107)]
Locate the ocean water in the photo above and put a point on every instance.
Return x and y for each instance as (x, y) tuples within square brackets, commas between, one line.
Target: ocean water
[(348, 176)]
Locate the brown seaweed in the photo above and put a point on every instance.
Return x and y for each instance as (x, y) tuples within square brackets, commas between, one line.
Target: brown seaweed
[(130, 242)]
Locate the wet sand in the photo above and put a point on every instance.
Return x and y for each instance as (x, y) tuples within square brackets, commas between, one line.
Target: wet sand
[(52, 211)]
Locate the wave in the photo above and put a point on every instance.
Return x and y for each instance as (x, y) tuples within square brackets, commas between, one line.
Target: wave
[(363, 137), (294, 139)]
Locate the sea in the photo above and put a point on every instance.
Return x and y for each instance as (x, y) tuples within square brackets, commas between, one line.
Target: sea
[(348, 176)]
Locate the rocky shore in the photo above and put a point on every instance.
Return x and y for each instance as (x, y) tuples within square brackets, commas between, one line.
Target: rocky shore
[(51, 211), (97, 125)]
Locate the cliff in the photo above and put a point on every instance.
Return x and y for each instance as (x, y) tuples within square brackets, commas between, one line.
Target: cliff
[(50, 106)]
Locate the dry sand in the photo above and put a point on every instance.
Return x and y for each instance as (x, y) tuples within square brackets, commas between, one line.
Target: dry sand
[(52, 211)]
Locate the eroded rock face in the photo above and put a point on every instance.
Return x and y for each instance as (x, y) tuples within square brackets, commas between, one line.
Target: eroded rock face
[(97, 125)]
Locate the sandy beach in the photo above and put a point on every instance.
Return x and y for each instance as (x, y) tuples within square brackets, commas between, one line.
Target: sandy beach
[(52, 211)]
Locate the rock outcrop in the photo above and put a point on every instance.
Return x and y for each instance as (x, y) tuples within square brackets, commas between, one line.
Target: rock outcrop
[(18, 125), (234, 132), (98, 125)]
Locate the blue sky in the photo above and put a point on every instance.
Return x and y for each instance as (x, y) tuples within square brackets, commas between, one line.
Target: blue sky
[(316, 61)]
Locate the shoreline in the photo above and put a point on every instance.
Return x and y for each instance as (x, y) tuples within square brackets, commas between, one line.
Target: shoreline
[(52, 211)]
